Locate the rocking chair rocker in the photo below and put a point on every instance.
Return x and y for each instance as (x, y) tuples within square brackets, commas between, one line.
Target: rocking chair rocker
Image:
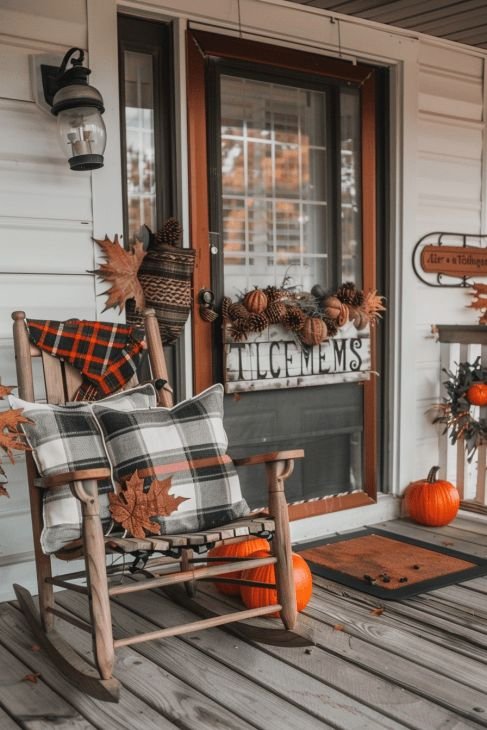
[(61, 383)]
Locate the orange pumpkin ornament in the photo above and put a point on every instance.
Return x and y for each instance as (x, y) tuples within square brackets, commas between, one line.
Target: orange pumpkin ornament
[(236, 550), (477, 394), (255, 301), (254, 597), (314, 331), (332, 307), (430, 501)]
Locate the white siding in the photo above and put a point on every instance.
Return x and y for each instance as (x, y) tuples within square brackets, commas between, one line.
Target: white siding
[(449, 184), (45, 221), (48, 214)]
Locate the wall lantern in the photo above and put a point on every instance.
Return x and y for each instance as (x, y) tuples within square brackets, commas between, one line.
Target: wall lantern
[(78, 108)]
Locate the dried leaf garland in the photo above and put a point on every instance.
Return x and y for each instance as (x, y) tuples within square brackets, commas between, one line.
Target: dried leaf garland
[(10, 438), (6, 390), (120, 270), (133, 508)]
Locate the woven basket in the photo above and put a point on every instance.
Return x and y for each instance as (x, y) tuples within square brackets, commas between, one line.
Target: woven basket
[(165, 276)]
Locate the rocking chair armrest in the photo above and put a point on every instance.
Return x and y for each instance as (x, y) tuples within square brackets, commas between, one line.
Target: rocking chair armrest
[(269, 458), (60, 480)]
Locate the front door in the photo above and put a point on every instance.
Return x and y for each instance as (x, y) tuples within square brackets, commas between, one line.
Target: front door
[(282, 149)]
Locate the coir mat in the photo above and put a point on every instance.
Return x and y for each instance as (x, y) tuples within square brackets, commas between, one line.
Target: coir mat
[(389, 566)]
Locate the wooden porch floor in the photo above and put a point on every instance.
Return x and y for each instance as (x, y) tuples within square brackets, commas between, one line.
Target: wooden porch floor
[(421, 664)]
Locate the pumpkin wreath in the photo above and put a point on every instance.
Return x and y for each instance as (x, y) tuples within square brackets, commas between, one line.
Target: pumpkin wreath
[(465, 388)]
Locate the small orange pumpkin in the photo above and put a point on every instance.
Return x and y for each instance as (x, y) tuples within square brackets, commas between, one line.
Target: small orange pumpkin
[(314, 331), (255, 597), (477, 394), (236, 550), (430, 501), (255, 301)]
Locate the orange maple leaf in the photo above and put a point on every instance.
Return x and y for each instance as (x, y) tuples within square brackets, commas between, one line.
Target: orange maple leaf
[(159, 500), (10, 438), (132, 508), (6, 390), (120, 270)]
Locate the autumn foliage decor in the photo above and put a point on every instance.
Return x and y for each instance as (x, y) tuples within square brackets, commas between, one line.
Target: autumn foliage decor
[(10, 438), (312, 316), (134, 507), (465, 389), (236, 550), (255, 597), (431, 501)]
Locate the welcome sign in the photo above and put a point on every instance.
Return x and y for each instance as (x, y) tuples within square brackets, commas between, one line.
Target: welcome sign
[(275, 359)]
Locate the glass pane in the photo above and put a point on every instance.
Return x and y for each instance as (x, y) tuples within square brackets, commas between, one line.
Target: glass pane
[(351, 192), (139, 118), (274, 162)]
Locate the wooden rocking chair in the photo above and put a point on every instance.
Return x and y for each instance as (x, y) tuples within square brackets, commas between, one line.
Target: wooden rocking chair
[(61, 382)]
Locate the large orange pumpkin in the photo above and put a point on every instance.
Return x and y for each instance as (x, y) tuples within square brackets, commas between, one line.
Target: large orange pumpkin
[(430, 501), (477, 394), (236, 550), (254, 597)]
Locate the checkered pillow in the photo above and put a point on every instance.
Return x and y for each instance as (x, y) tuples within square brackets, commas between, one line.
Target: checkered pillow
[(67, 438), (190, 435)]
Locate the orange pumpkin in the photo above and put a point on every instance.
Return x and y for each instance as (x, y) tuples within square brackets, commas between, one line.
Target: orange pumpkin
[(314, 331), (236, 550), (254, 597), (255, 301), (332, 307), (430, 501), (477, 394)]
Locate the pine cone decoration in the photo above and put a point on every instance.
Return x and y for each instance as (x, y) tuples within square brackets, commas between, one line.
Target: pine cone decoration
[(273, 294), (331, 326), (171, 232), (294, 319), (347, 293), (276, 312), (226, 304), (240, 329), (238, 311), (258, 322)]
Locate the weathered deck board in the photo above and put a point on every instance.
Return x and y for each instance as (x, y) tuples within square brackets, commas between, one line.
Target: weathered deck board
[(376, 677), (106, 716), (200, 671), (420, 664), (34, 704)]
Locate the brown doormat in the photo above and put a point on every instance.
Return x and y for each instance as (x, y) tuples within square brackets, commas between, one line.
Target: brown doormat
[(388, 566)]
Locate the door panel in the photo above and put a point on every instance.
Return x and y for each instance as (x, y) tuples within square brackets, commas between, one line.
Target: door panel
[(285, 195)]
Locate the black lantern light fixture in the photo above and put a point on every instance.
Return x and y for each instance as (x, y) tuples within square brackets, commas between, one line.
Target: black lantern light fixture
[(78, 108)]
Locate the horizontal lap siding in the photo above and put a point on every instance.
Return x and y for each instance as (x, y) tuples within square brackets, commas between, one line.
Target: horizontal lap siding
[(45, 221), (449, 186)]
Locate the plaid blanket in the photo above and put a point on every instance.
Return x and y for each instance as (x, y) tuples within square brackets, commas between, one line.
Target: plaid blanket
[(107, 354)]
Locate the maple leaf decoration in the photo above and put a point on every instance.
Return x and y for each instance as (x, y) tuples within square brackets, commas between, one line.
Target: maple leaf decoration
[(480, 301), (120, 270), (10, 438), (132, 508)]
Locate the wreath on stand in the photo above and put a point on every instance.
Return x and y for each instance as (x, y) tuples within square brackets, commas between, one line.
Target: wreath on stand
[(466, 389)]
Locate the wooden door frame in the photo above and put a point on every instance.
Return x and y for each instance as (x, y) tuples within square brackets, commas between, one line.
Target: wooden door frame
[(201, 46)]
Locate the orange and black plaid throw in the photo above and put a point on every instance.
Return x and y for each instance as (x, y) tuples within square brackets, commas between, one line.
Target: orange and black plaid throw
[(107, 354)]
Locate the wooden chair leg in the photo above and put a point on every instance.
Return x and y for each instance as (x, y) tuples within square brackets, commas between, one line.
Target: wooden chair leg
[(43, 562), (94, 549), (277, 472), (190, 585)]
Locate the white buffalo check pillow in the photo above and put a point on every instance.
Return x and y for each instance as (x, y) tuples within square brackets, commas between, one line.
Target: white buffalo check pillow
[(67, 438), (190, 436)]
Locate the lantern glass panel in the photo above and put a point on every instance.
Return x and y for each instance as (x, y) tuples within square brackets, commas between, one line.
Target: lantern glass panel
[(81, 132)]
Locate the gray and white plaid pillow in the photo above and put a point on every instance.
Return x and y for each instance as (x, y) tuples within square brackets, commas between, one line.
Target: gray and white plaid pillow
[(67, 438), (190, 435)]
